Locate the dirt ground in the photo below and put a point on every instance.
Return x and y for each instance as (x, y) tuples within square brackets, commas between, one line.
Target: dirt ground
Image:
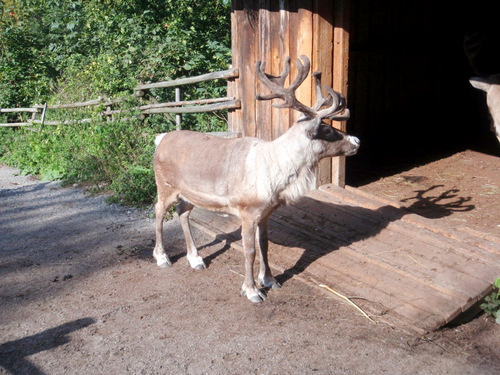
[(80, 292)]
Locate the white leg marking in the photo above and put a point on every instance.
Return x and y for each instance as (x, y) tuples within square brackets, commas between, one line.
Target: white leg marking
[(253, 294), (196, 262), (162, 260), (268, 282)]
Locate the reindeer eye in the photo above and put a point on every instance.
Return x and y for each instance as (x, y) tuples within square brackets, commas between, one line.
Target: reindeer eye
[(327, 133)]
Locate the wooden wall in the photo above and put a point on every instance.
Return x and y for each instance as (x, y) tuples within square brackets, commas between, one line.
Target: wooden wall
[(270, 31)]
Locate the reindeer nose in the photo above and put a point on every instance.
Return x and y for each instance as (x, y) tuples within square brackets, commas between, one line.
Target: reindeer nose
[(354, 141)]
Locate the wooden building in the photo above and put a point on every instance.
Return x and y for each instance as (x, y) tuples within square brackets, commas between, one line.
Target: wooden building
[(400, 64), (272, 30)]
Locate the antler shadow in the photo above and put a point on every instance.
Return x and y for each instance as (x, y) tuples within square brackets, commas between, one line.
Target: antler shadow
[(438, 206)]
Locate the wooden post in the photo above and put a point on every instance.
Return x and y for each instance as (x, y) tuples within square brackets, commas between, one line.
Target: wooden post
[(244, 36), (322, 55), (33, 116), (178, 117), (42, 121), (340, 74), (109, 108)]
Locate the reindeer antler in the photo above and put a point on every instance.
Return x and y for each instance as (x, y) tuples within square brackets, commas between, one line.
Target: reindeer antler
[(276, 85), (335, 100)]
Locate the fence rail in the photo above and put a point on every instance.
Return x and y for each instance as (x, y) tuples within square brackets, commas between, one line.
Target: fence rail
[(224, 74), (177, 107)]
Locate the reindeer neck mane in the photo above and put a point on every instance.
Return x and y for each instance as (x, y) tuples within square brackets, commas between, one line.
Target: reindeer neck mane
[(296, 163)]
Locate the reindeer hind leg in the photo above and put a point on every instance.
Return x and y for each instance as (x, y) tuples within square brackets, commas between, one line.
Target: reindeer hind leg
[(166, 199), (195, 261)]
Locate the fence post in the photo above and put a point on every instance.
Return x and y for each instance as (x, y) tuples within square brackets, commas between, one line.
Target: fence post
[(178, 117), (109, 108), (42, 121)]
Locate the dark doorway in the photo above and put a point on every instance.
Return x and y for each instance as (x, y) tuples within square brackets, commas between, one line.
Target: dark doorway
[(409, 92)]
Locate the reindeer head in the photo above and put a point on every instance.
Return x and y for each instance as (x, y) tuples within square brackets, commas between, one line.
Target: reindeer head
[(326, 140), (491, 86)]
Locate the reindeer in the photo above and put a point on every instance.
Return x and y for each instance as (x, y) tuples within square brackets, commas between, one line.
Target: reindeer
[(481, 41), (249, 177), (491, 86)]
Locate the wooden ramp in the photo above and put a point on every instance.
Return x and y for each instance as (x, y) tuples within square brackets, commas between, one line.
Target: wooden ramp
[(401, 268)]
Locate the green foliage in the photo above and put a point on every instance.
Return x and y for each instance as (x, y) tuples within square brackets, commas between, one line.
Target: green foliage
[(491, 305), (107, 44), (68, 51), (107, 155)]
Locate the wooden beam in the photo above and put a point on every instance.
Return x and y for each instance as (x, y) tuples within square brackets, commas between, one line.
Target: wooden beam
[(263, 109), (16, 110), (340, 74), (244, 36), (196, 109), (304, 47), (225, 74), (323, 61)]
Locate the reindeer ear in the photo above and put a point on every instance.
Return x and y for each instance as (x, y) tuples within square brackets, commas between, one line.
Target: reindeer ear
[(480, 83)]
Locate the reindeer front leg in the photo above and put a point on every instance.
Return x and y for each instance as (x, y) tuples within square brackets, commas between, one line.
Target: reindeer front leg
[(265, 279), (249, 289)]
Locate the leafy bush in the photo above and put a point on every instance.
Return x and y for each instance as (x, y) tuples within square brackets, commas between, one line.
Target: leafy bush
[(491, 305), (106, 46), (107, 155), (66, 51)]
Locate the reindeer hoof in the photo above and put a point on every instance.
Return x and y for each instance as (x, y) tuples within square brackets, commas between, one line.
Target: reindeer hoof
[(276, 285), (253, 294), (256, 299), (162, 261), (268, 283), (196, 263)]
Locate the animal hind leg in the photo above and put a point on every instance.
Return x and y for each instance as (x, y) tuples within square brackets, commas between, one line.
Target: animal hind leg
[(166, 199), (195, 261)]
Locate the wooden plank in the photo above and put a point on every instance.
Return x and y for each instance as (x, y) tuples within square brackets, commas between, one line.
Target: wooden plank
[(195, 109), (304, 47), (263, 109), (276, 61), (389, 248), (234, 117), (407, 274), (224, 74), (15, 110), (186, 102), (293, 25), (482, 245), (323, 61), (340, 75), (73, 105), (244, 20), (393, 290), (281, 119), (67, 122)]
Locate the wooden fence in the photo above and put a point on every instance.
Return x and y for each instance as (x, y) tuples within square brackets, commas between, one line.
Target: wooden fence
[(178, 107)]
